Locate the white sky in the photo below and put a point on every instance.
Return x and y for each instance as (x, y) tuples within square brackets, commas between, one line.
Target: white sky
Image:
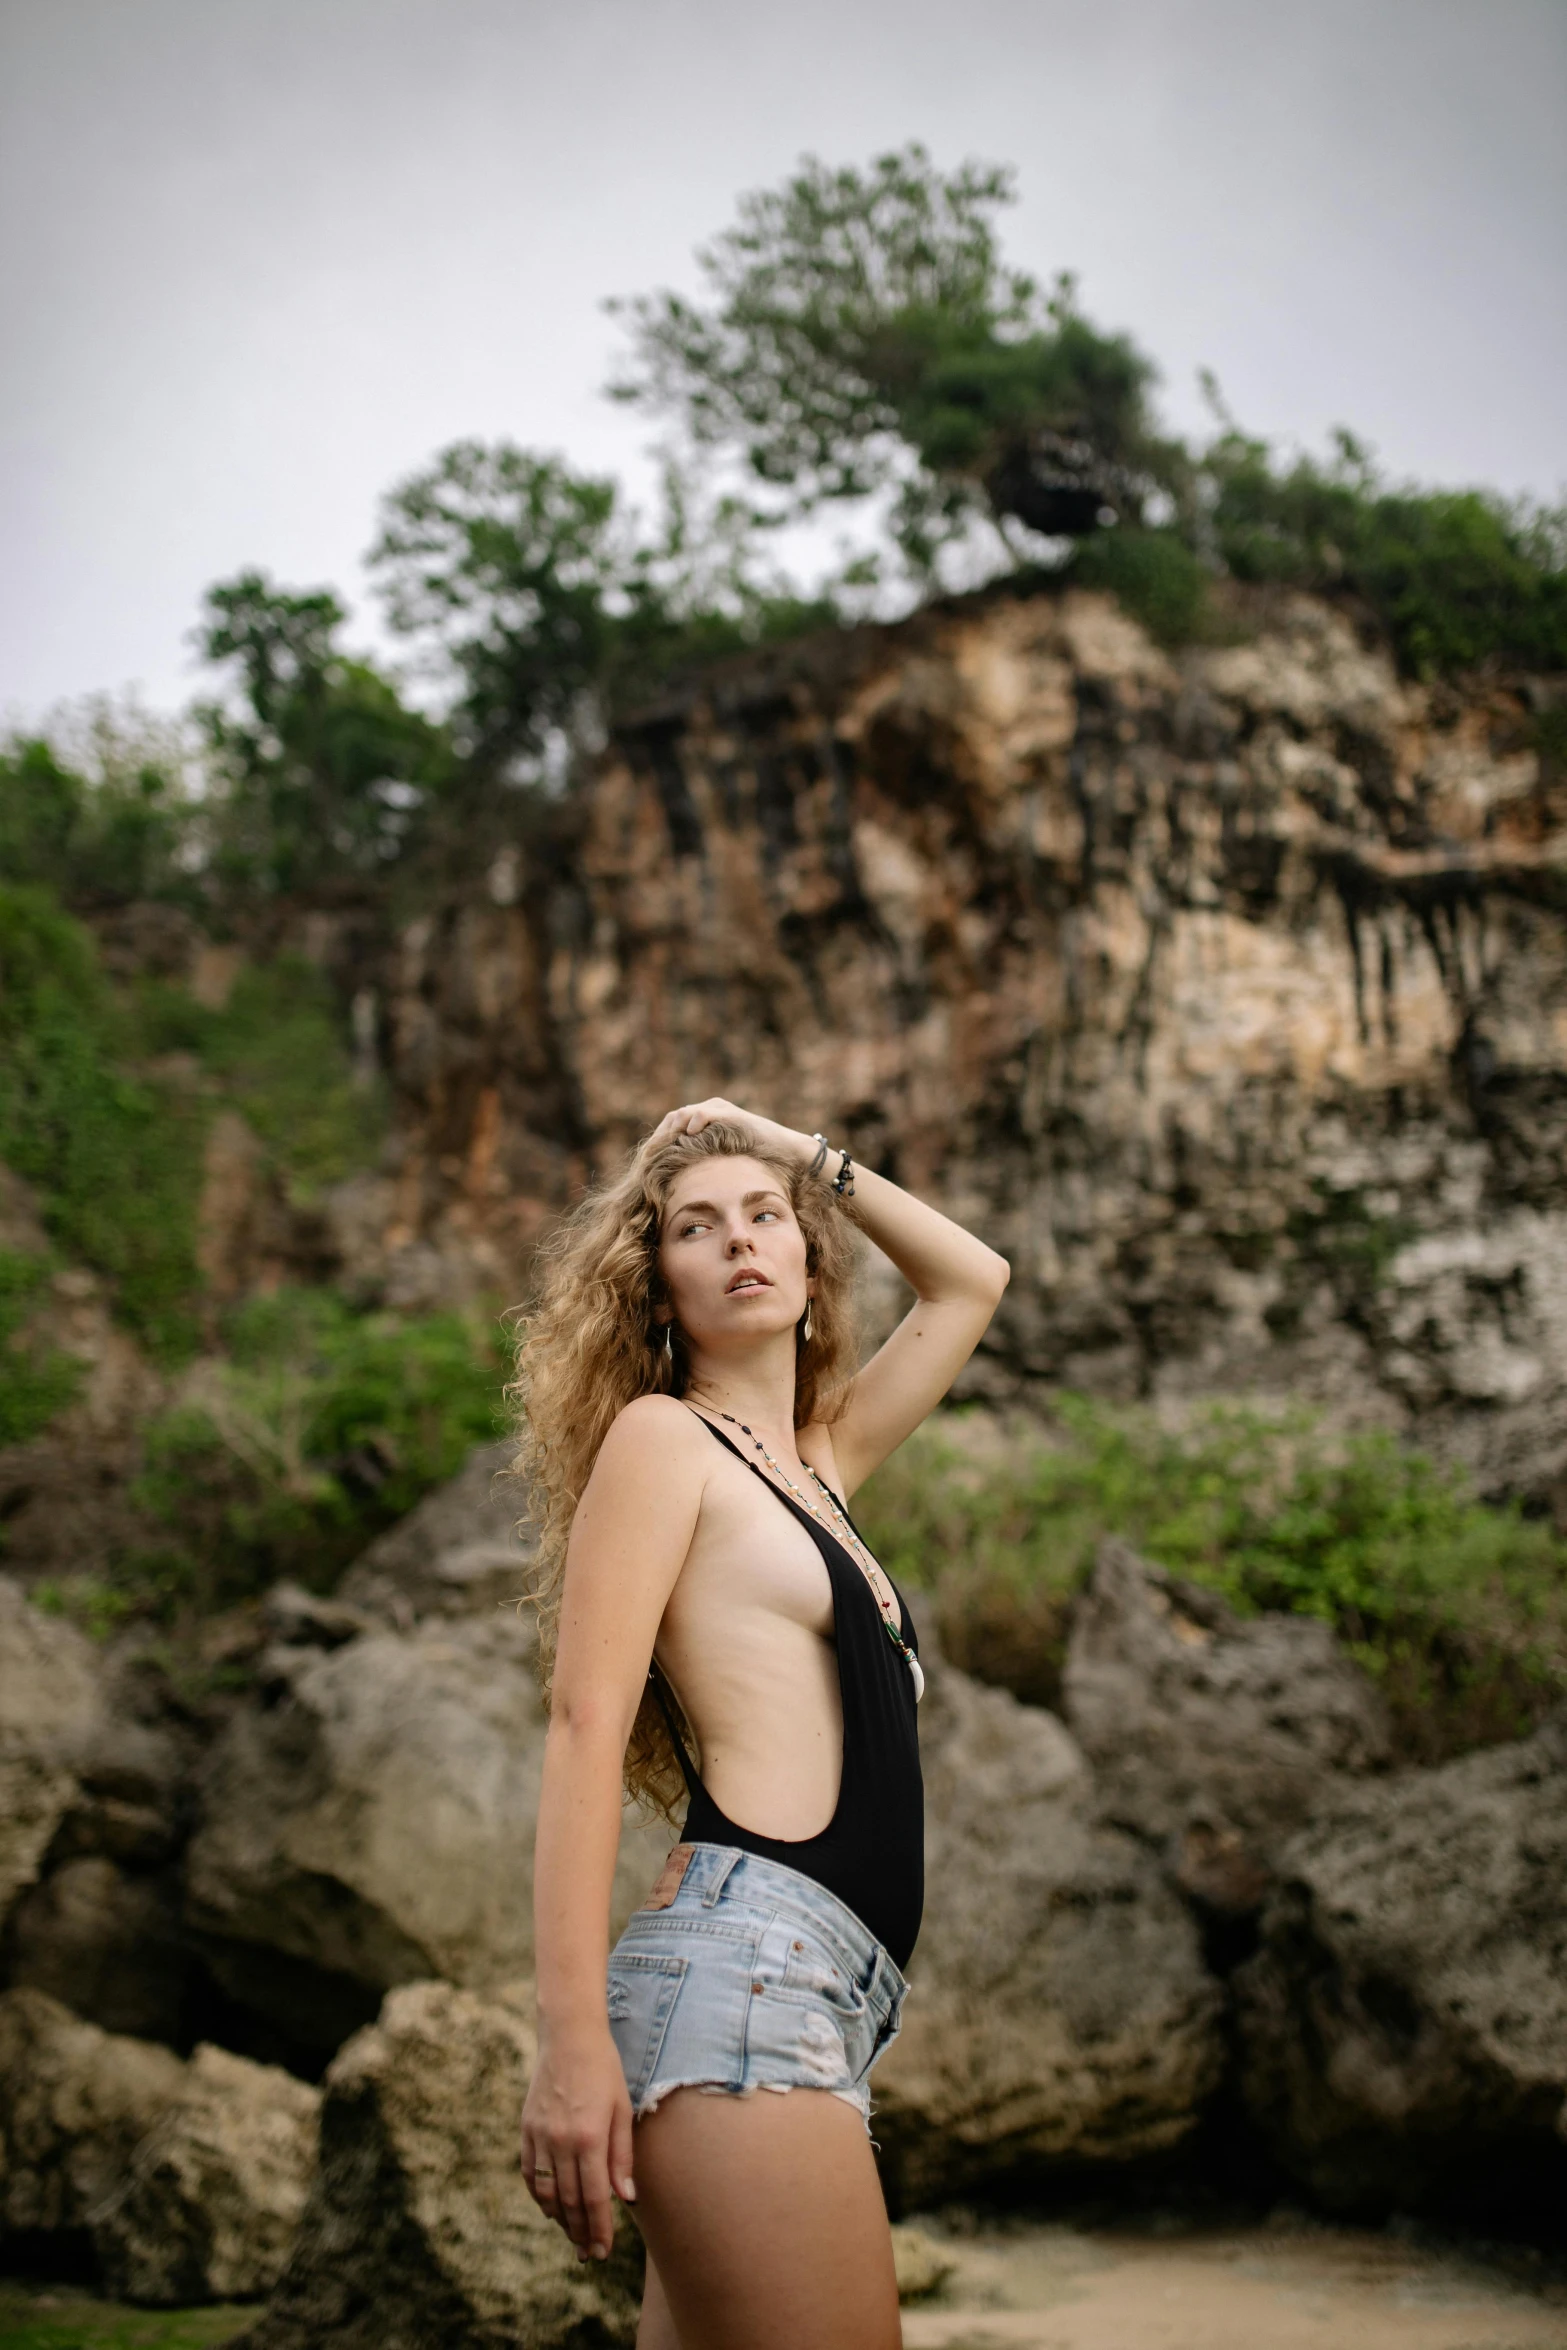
[(260, 258)]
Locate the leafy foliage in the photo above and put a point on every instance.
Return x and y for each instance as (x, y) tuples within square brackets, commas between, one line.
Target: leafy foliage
[(276, 1051), (36, 1380), (858, 320), (1155, 575), (101, 830), (115, 1158), (327, 774), (545, 597), (860, 334), (1454, 576), (515, 567), (320, 1427), (1459, 1609)]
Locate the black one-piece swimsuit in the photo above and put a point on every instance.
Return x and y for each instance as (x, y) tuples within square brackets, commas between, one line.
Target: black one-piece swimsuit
[(871, 1853)]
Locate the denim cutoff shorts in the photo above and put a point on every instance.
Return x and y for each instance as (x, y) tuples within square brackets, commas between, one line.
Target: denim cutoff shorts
[(740, 1974)]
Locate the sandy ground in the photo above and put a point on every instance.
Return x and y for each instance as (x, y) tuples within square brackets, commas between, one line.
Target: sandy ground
[(1029, 2287), (1281, 2288)]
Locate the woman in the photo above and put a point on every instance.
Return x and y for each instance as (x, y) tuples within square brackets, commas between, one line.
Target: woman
[(695, 1427)]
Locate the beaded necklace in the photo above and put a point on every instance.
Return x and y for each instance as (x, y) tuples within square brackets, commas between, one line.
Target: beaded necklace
[(842, 1531)]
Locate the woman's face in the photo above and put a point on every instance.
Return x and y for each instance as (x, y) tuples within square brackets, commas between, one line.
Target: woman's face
[(731, 1254)]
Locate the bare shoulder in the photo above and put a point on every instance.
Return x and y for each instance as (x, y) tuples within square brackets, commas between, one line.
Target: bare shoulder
[(653, 1436)]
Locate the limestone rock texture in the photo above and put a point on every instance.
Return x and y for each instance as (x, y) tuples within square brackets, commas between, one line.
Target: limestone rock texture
[(1403, 2025), (94, 1766), (1060, 2016), (74, 2104), (418, 2231), (459, 1552), (184, 2182), (213, 2194), (48, 1697), (1226, 993), (1209, 1735), (367, 1821)]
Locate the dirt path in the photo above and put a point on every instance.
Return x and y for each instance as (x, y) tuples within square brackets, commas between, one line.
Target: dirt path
[(1055, 2288)]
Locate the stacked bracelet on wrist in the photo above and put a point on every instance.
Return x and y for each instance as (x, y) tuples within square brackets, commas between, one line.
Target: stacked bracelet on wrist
[(843, 1181)]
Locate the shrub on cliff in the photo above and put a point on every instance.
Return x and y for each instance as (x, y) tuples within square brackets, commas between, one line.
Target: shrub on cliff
[(37, 1380), (1454, 576), (1459, 1609), (98, 812), (114, 1156), (860, 337), (319, 1428)]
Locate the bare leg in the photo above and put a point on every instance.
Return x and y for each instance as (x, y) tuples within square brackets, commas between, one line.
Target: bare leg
[(766, 2220), (657, 2329)]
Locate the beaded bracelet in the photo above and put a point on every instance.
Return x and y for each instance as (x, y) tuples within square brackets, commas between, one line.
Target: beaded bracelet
[(843, 1181)]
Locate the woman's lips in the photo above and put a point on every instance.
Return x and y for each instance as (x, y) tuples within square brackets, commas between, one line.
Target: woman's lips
[(747, 1281)]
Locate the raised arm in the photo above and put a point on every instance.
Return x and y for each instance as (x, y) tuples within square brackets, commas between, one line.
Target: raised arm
[(629, 1539), (957, 1283)]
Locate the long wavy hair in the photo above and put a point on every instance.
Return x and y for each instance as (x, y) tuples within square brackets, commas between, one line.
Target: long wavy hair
[(592, 1344)]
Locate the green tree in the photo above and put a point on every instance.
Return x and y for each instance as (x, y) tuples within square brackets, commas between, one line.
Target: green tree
[(550, 601), (517, 574), (862, 334), (98, 829), (328, 773)]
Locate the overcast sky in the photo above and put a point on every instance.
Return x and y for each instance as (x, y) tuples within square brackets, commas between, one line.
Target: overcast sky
[(260, 258)]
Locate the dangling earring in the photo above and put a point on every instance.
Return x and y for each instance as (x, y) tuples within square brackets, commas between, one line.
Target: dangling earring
[(806, 1326), (669, 1343)]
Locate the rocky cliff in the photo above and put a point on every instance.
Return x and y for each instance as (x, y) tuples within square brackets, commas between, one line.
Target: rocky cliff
[(1225, 991)]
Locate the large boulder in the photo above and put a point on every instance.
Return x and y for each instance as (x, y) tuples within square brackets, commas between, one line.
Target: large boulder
[(1060, 2017), (213, 2195), (74, 2103), (1211, 1735), (100, 1928), (368, 1821), (418, 2229), (1403, 2025), (108, 1941), (183, 2182), (458, 1552), (48, 1695)]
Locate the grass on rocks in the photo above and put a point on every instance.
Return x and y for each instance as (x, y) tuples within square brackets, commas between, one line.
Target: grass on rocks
[(38, 2317), (319, 1427), (1456, 1608)]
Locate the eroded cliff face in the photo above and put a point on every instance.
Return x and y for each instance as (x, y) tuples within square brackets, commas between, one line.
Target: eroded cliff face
[(1226, 993)]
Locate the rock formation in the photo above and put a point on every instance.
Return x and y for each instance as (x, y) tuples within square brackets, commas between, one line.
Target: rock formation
[(74, 2104), (1210, 1736), (1404, 2023), (92, 1817), (419, 2229), (1225, 992), (212, 2197), (1060, 2016), (48, 1696), (370, 1823), (186, 2181)]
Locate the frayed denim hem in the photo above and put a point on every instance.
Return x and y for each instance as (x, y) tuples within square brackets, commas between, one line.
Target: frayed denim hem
[(654, 2096)]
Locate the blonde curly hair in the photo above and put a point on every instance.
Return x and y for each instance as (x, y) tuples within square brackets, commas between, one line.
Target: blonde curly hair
[(591, 1345)]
